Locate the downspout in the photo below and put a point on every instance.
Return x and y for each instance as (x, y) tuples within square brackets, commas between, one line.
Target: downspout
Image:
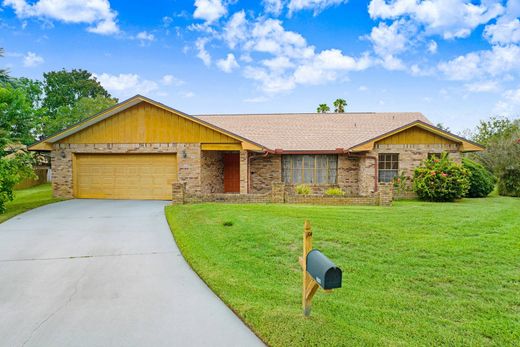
[(376, 166)]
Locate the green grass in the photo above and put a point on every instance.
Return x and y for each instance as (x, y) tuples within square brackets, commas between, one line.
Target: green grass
[(27, 199), (413, 274)]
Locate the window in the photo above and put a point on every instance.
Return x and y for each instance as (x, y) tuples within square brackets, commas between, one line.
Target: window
[(388, 166), (312, 169), (434, 155)]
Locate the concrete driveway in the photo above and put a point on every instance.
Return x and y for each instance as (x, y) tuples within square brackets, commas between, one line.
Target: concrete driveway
[(105, 273)]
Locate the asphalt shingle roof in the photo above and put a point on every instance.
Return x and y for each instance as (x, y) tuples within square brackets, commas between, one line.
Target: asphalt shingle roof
[(312, 131)]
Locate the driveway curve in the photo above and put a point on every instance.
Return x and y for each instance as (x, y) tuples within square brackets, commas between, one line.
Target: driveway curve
[(105, 273)]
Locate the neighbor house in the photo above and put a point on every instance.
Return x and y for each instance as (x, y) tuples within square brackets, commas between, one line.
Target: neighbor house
[(139, 148)]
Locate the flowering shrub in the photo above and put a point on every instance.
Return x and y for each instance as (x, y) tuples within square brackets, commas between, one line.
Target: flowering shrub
[(481, 181), (302, 189), (401, 183), (440, 179)]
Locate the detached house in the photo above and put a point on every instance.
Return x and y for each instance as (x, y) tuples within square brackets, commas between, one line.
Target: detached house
[(139, 148)]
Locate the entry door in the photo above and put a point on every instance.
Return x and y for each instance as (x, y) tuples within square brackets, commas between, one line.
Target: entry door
[(231, 173)]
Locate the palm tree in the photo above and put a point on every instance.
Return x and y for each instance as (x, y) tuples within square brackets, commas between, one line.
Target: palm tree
[(340, 105), (4, 76), (323, 108)]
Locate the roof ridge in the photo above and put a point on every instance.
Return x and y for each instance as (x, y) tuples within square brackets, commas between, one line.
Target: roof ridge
[(297, 113)]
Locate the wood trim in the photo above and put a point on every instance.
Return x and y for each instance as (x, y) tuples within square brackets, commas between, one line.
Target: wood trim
[(221, 146), (466, 145)]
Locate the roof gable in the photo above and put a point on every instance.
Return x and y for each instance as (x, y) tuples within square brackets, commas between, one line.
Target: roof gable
[(418, 132), (141, 120)]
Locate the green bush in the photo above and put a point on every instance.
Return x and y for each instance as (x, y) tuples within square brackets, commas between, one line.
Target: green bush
[(481, 181), (335, 191), (509, 182), (302, 189), (440, 179)]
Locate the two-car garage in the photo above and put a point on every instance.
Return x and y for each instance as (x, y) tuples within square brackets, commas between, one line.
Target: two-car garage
[(124, 176)]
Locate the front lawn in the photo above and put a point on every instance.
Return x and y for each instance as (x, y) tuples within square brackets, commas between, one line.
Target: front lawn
[(27, 199), (413, 274)]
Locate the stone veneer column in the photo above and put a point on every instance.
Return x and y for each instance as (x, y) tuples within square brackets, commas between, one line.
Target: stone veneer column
[(189, 163), (367, 176), (61, 164), (244, 172)]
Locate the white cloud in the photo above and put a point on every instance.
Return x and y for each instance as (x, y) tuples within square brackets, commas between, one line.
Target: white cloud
[(316, 5), (448, 18), (169, 80), (209, 10), (202, 53), (506, 30), (503, 31), (236, 29), (509, 105), (432, 47), (228, 64), (363, 88), (32, 59), (273, 6), (391, 40), (97, 13), (256, 99), (498, 61), (482, 87), (145, 37), (125, 85), (187, 94)]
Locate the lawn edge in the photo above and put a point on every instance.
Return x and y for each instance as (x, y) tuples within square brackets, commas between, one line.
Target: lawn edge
[(208, 285), (35, 207)]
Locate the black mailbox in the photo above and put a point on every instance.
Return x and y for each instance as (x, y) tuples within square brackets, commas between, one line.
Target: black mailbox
[(323, 270)]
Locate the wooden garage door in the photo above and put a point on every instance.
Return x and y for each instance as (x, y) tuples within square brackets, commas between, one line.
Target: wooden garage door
[(125, 176)]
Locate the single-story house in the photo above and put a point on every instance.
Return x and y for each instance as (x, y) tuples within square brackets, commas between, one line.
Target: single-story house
[(138, 148)]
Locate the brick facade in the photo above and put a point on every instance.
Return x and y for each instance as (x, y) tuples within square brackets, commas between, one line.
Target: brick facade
[(202, 172), (212, 172)]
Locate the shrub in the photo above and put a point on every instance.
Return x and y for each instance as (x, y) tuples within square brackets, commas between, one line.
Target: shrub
[(440, 179), (481, 181), (401, 183), (335, 191), (509, 181), (228, 223), (302, 189)]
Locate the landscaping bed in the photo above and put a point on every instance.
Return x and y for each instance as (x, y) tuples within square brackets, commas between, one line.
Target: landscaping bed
[(416, 273)]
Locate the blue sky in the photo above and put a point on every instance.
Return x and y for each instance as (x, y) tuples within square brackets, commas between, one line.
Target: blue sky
[(457, 61)]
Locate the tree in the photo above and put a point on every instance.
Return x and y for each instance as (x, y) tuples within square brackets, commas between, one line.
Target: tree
[(4, 74), (17, 115), (82, 109), (495, 128), (443, 127), (339, 105), (323, 108), (13, 169), (64, 88)]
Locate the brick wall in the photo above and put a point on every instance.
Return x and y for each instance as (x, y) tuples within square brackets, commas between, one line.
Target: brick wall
[(278, 194), (265, 171), (411, 156), (212, 172)]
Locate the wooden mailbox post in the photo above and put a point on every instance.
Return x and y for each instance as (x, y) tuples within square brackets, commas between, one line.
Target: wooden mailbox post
[(329, 276)]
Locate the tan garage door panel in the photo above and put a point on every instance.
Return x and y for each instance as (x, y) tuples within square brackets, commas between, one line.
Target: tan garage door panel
[(125, 176)]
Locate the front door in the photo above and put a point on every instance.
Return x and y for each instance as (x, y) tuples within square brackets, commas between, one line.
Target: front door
[(231, 173)]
